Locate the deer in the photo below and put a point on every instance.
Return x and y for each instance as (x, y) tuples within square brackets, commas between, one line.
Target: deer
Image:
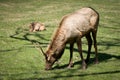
[(72, 28), (36, 26)]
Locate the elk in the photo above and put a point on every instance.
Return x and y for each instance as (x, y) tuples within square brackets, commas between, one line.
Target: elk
[(35, 26), (72, 28)]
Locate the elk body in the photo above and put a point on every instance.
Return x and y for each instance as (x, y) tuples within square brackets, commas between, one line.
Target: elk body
[(71, 29), (35, 26)]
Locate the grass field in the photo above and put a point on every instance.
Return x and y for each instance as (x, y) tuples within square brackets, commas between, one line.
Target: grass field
[(20, 60)]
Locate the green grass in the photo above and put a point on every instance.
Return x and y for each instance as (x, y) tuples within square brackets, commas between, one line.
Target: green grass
[(19, 59)]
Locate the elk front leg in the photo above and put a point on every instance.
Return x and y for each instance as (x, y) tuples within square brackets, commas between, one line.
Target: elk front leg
[(71, 56), (79, 44)]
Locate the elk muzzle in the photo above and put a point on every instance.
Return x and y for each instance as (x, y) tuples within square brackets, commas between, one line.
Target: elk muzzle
[(48, 66)]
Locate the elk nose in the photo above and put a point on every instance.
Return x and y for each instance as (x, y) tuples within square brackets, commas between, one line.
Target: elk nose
[(48, 68)]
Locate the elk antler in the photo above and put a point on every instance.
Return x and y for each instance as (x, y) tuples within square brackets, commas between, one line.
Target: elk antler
[(39, 48)]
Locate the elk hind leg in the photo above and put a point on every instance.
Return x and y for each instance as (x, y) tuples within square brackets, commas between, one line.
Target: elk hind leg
[(94, 34), (88, 37)]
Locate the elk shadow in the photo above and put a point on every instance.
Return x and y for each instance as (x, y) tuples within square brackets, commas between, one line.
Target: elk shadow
[(101, 57), (25, 36), (59, 76)]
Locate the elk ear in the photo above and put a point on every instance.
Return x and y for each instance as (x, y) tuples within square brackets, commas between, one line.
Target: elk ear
[(33, 24)]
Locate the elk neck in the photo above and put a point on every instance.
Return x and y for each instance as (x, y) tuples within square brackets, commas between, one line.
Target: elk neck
[(58, 40)]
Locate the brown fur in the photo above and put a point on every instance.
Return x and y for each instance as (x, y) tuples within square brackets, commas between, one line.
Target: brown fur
[(71, 29), (35, 26)]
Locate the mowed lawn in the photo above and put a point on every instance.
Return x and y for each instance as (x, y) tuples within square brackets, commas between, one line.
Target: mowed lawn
[(20, 60)]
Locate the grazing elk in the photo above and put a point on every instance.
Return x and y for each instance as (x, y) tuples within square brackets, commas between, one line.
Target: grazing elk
[(35, 26), (71, 29)]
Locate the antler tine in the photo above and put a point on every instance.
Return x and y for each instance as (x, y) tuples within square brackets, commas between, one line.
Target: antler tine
[(37, 46)]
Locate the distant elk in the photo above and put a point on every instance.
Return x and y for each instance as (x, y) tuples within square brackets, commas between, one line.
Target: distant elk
[(35, 26), (72, 28)]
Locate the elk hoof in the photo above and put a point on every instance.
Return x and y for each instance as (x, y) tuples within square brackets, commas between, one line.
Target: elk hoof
[(96, 62), (84, 66), (70, 66)]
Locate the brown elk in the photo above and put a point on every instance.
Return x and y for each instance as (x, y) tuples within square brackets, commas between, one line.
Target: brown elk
[(71, 29), (35, 26)]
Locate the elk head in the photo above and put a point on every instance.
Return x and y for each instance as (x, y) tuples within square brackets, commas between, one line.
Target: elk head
[(51, 56), (49, 59)]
